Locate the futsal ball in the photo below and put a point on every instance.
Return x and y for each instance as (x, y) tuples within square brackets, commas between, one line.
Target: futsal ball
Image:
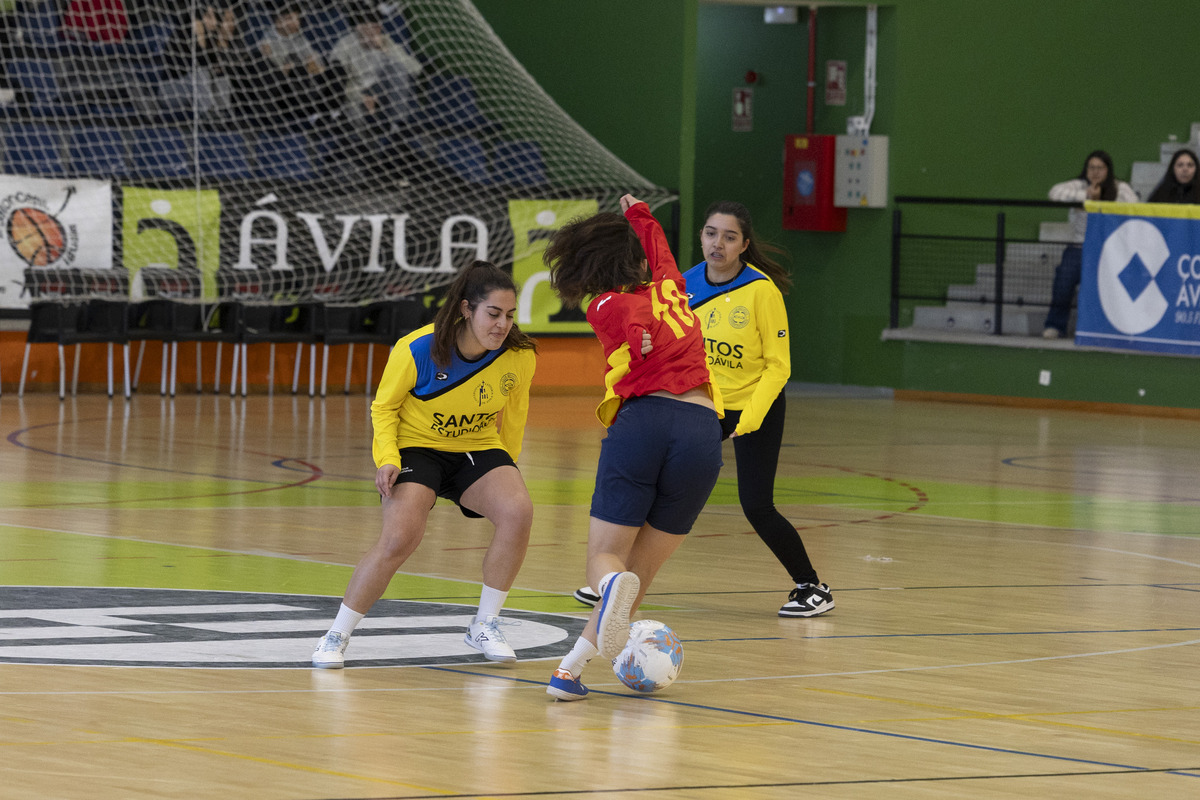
[(37, 237), (651, 659)]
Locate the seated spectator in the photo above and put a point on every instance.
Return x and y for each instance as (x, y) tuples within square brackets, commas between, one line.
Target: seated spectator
[(379, 73), (295, 81), (96, 21), (204, 62), (1179, 184), (1095, 182)]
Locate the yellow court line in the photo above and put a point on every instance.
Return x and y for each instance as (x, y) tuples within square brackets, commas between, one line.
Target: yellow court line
[(1109, 731), (1032, 526), (285, 764), (257, 554), (933, 667)]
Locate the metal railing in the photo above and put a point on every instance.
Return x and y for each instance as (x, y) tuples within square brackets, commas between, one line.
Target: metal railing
[(976, 251)]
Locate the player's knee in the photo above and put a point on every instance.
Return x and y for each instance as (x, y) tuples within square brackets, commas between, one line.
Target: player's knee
[(515, 514), (398, 544)]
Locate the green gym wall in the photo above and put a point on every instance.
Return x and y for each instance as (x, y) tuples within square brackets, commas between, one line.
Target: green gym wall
[(982, 100)]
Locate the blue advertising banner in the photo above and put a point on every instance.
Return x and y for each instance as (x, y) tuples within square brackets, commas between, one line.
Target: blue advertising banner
[(1140, 287)]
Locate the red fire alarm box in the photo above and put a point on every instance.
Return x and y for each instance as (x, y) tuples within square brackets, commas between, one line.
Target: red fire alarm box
[(808, 184)]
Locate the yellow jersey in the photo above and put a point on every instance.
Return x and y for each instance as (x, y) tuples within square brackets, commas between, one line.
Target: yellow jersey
[(745, 338), (462, 407)]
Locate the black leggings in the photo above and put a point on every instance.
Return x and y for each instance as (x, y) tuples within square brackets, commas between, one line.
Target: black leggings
[(757, 456)]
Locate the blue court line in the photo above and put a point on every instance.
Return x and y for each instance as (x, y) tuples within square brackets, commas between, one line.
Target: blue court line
[(749, 639), (1181, 586), (993, 633), (830, 725)]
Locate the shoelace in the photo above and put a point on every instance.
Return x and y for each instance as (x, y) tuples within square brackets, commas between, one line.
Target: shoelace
[(495, 623), (331, 643)]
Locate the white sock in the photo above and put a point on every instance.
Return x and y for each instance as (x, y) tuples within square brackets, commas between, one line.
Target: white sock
[(604, 582), (490, 602), (583, 652), (346, 621)]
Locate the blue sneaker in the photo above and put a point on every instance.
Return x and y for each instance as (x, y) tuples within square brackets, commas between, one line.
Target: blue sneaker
[(616, 601), (564, 687)]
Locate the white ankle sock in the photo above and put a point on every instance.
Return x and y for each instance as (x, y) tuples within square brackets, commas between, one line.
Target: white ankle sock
[(490, 602), (346, 621), (604, 582), (583, 652)]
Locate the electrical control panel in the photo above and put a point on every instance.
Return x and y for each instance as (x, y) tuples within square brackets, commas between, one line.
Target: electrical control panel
[(860, 172)]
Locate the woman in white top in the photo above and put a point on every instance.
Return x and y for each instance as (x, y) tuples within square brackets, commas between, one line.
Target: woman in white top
[(1096, 182)]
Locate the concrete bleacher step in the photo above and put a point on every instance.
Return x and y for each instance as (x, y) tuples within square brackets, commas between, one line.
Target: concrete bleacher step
[(1028, 276), (979, 318), (1056, 232), (1145, 175), (1015, 293)]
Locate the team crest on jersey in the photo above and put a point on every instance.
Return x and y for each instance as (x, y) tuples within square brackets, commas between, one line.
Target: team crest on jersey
[(739, 317), (507, 383), (713, 319), (484, 392)]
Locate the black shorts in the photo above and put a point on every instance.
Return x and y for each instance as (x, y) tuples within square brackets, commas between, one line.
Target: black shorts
[(449, 474)]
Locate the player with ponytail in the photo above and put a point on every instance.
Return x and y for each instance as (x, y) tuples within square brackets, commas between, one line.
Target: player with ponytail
[(448, 418)]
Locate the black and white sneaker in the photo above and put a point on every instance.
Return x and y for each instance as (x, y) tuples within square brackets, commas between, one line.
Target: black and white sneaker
[(587, 595), (808, 600)]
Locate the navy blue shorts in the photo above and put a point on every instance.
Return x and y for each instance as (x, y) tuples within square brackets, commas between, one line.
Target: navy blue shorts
[(658, 464), (449, 474)]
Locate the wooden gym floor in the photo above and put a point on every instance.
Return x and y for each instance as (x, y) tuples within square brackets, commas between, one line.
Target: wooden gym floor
[(1018, 613)]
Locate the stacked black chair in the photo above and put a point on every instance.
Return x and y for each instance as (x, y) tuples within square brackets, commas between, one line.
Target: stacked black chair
[(199, 322), (384, 322), (278, 324), (77, 307), (152, 320), (179, 314)]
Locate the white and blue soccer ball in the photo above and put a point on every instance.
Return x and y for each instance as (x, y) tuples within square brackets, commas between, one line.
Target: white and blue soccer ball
[(651, 659)]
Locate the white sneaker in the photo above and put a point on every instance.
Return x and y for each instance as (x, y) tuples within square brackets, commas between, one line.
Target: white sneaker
[(487, 638), (331, 651), (587, 595), (616, 600)]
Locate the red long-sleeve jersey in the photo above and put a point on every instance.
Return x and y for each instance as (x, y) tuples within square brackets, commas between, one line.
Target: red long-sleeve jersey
[(677, 360)]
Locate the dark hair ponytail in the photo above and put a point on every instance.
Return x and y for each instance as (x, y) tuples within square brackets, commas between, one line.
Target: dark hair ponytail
[(757, 253), (473, 284)]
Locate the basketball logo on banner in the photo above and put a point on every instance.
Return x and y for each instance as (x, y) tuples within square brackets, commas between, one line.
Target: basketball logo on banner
[(51, 224), (36, 236), (1137, 240)]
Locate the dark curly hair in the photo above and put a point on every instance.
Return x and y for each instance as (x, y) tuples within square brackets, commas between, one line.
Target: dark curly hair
[(594, 255)]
